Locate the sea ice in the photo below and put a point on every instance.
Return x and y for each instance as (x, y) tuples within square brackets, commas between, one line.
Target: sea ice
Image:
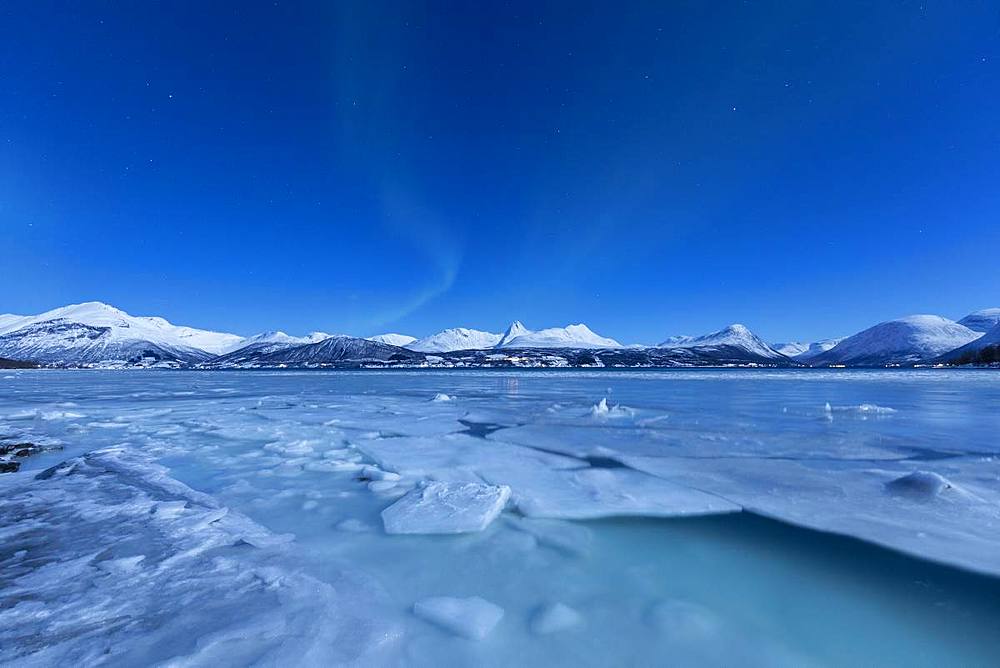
[(186, 577)]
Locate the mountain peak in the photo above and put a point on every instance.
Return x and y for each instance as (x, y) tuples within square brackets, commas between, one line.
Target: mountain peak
[(735, 335), (393, 339), (515, 330), (456, 338), (571, 336)]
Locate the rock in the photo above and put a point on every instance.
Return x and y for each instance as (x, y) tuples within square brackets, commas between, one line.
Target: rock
[(473, 618), (9, 467), (7, 448)]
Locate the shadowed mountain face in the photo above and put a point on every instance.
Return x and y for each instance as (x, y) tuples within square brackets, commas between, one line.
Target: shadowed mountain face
[(984, 350), (65, 342), (335, 350)]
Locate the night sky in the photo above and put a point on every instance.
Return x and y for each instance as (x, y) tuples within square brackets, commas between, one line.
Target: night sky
[(806, 168)]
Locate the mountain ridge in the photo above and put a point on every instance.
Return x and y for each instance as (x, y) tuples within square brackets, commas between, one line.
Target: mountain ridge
[(94, 333)]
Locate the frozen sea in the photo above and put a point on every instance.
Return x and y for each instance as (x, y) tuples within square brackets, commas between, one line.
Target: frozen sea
[(499, 518)]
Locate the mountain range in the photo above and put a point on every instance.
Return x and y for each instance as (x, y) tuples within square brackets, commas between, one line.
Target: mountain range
[(96, 334)]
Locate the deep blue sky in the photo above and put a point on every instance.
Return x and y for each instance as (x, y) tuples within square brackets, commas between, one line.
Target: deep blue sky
[(648, 168)]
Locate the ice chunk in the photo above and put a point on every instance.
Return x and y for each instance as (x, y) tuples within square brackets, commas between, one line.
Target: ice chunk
[(683, 620), (566, 537), (375, 473), (442, 397), (473, 618), (919, 485), (554, 618), (381, 485), (353, 525), (123, 566), (445, 507), (602, 410)]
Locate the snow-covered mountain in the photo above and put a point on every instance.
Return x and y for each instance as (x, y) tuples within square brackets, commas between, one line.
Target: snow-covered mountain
[(982, 321), (94, 332), (984, 350), (802, 350), (457, 338), (674, 341), (903, 341), (570, 336), (732, 340), (280, 337), (393, 339)]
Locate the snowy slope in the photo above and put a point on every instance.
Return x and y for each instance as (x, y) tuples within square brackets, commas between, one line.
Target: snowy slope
[(984, 350), (736, 337), (571, 336), (94, 332), (393, 339), (790, 349), (802, 350), (458, 338), (902, 341), (64, 342), (982, 321)]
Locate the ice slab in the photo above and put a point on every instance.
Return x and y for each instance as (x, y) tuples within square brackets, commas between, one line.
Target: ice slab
[(473, 618), (950, 515), (589, 493), (446, 507), (457, 457)]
